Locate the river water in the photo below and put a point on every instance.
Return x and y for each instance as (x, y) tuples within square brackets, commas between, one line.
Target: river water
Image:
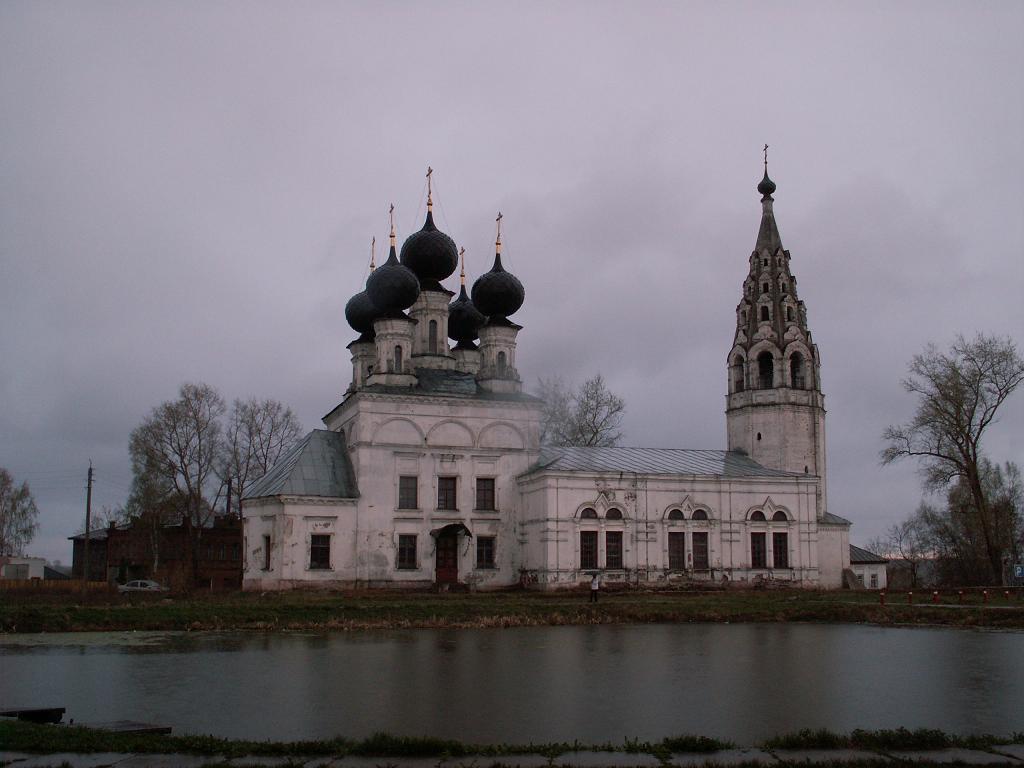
[(742, 682)]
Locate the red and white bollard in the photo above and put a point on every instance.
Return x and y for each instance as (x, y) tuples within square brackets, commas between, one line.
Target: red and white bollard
[(935, 596), (910, 598), (881, 597)]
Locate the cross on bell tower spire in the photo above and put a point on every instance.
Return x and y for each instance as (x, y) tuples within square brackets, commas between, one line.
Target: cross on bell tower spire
[(430, 189)]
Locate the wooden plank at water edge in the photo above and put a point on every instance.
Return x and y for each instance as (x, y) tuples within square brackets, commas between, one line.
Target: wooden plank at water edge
[(36, 714), (126, 726)]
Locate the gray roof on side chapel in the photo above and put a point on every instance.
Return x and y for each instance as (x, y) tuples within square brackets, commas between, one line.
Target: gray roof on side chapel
[(863, 557), (318, 465), (655, 461)]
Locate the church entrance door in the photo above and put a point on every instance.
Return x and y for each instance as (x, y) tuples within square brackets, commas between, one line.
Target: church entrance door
[(447, 558)]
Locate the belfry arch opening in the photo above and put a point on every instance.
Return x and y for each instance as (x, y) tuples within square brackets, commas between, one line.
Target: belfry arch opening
[(764, 314), (797, 371), (765, 370), (737, 374), (398, 359)]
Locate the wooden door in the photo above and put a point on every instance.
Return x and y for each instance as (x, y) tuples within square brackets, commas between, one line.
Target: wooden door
[(447, 559)]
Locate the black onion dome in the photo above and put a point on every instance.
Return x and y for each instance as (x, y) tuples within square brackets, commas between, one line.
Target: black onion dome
[(767, 186), (430, 253), (464, 319), (360, 313), (392, 287), (498, 293)]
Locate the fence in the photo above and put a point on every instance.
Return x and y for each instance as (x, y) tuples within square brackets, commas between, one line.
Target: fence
[(51, 585)]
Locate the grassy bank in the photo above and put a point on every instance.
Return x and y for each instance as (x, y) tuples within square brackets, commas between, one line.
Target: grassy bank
[(51, 739), (307, 610)]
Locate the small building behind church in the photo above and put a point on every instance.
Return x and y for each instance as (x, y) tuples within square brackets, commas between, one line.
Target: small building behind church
[(430, 471)]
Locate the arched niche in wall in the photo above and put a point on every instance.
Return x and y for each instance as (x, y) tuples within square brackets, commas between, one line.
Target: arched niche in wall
[(398, 431), (450, 433), (502, 435)]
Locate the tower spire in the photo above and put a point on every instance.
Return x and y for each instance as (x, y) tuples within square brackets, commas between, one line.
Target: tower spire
[(430, 189), (768, 237)]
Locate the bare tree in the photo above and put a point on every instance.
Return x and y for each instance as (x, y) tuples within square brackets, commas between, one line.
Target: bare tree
[(258, 433), (903, 541), (959, 394), (588, 416), (175, 453), (18, 514)]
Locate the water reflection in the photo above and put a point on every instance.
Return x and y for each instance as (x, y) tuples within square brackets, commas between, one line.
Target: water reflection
[(597, 683)]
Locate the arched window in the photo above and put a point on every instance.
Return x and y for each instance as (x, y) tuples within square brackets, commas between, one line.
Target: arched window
[(757, 515), (675, 514), (789, 314), (699, 514), (764, 313), (779, 517), (398, 359), (737, 374), (796, 371), (764, 288), (743, 317), (432, 337), (501, 363), (765, 370), (588, 514), (613, 514)]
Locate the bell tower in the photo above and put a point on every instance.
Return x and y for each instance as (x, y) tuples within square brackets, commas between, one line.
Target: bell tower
[(775, 409)]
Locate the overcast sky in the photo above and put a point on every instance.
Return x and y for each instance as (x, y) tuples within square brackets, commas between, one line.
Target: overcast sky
[(188, 191)]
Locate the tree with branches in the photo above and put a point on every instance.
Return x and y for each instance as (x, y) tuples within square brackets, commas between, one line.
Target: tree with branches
[(18, 515), (589, 415), (258, 433), (959, 394)]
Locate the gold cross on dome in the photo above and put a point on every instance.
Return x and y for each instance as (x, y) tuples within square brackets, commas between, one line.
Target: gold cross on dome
[(391, 218)]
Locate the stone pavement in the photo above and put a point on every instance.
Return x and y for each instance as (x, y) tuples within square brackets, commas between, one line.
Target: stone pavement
[(1009, 755)]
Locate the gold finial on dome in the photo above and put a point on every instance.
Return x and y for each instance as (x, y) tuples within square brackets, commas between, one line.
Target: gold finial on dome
[(766, 158), (391, 218), (497, 242), (373, 254), (430, 189), (462, 274)]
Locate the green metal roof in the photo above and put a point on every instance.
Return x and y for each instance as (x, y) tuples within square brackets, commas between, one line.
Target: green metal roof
[(318, 465)]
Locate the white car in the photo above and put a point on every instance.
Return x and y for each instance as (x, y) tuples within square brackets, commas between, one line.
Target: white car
[(141, 585)]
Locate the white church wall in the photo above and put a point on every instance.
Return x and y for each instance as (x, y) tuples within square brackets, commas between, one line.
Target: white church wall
[(552, 523)]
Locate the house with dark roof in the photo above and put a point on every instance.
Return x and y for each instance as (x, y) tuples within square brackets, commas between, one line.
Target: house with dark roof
[(869, 568), (430, 470)]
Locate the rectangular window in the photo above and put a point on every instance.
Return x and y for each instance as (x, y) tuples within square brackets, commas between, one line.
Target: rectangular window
[(408, 493), (485, 493), (407, 552), (446, 493), (613, 550), (320, 552), (588, 549), (874, 581), (758, 550), (266, 553), (677, 551), (780, 549), (701, 557), (485, 552), (234, 552)]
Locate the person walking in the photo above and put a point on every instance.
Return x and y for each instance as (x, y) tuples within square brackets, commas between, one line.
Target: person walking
[(595, 587)]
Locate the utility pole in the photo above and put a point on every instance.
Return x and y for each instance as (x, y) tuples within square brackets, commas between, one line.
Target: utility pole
[(88, 525)]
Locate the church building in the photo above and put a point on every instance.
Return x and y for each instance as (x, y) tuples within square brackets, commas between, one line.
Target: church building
[(430, 472)]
